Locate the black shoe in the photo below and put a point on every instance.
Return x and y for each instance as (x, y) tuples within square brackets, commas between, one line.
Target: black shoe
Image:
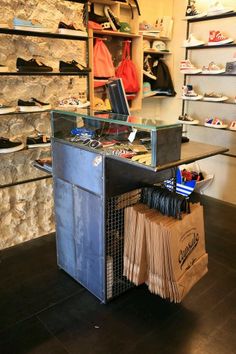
[(7, 146), (38, 141), (33, 105), (63, 28), (101, 20), (72, 66), (31, 65), (114, 21)]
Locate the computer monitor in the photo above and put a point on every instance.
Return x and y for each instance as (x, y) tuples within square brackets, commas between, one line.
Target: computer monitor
[(118, 100)]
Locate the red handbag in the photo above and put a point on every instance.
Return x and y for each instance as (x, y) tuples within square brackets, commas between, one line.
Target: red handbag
[(102, 60), (127, 71)]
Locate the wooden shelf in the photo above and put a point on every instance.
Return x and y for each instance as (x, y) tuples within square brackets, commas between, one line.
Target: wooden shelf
[(157, 52), (116, 34), (152, 38), (110, 3)]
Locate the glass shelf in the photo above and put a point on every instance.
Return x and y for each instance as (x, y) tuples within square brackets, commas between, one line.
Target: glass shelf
[(216, 17)]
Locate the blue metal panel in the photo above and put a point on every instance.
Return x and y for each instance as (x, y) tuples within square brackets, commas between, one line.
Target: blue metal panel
[(89, 240), (77, 166), (66, 255)]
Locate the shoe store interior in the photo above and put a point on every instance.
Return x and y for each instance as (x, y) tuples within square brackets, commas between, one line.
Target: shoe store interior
[(117, 134)]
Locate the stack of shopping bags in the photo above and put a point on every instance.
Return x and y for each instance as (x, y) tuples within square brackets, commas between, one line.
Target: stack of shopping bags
[(165, 253)]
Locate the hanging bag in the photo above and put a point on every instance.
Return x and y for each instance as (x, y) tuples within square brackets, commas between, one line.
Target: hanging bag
[(102, 60), (127, 71)]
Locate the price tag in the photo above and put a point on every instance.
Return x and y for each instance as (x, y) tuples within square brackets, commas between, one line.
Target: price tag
[(132, 135)]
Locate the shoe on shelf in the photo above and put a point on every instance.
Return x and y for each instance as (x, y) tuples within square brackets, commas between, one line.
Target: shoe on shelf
[(230, 68), (217, 38), (147, 90), (31, 65), (233, 125), (212, 68), (147, 28), (33, 105), (6, 109), (191, 11), (31, 26), (7, 146), (71, 30), (73, 102), (188, 93), (147, 67), (99, 104), (72, 66), (186, 119), (214, 97), (215, 123), (192, 41), (4, 69), (101, 20), (186, 67), (125, 27), (38, 141), (114, 21), (216, 8)]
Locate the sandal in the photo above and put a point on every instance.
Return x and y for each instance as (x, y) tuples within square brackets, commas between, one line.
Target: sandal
[(215, 123)]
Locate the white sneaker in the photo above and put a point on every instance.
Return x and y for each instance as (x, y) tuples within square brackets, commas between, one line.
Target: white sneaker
[(212, 68), (216, 8), (188, 93), (186, 67), (192, 42)]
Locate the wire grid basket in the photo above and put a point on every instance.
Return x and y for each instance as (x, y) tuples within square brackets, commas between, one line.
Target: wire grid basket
[(115, 206)]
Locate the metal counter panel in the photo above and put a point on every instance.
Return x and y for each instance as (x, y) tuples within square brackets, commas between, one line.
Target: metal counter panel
[(77, 166)]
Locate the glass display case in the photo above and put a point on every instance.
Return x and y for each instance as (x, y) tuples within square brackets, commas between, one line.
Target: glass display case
[(133, 139)]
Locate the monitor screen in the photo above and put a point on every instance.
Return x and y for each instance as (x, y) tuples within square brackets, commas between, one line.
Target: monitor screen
[(118, 100)]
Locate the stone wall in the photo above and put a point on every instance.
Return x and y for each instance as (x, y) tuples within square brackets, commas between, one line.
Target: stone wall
[(26, 210)]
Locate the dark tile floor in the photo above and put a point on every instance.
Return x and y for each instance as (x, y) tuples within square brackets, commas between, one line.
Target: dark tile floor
[(42, 310)]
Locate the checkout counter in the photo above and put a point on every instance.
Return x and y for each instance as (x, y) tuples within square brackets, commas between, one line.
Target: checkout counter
[(100, 164)]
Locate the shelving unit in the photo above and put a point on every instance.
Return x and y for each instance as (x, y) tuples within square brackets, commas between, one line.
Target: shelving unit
[(51, 35), (228, 103)]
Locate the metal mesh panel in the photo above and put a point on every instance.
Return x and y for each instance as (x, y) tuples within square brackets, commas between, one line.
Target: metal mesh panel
[(115, 206)]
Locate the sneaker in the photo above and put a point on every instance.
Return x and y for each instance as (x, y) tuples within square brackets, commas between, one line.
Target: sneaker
[(3, 68), (71, 30), (44, 164), (186, 67), (217, 38), (114, 21), (192, 42), (37, 141), (147, 28), (188, 93), (191, 11), (215, 123), (212, 68), (214, 97), (233, 125), (7, 145), (6, 109), (186, 119), (33, 105), (73, 102), (146, 45), (72, 66), (231, 68), (101, 20), (31, 65), (147, 67), (31, 26), (216, 8)]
